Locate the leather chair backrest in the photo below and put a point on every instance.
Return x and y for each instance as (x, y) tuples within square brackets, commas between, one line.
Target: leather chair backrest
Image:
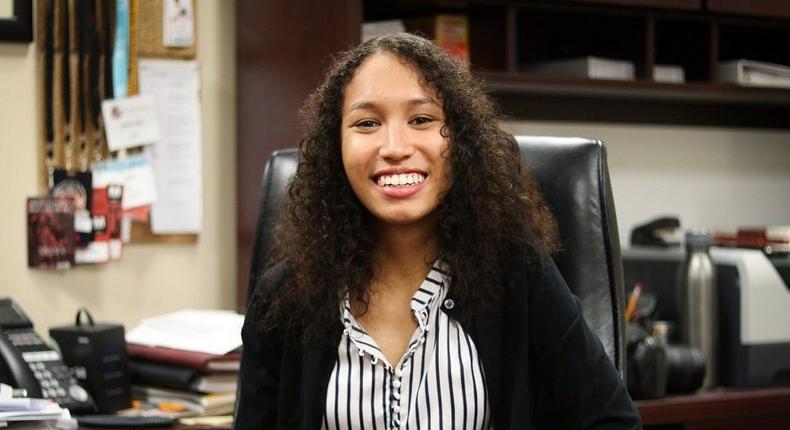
[(573, 176)]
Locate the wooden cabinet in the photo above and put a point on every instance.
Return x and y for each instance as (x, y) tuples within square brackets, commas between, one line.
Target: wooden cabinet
[(769, 8), (731, 409), (664, 4), (506, 37)]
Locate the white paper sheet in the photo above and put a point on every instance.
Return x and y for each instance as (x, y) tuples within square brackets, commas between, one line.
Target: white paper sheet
[(210, 331), (175, 85), (130, 122)]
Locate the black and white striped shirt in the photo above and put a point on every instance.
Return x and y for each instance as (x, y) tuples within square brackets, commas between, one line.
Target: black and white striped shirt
[(437, 384)]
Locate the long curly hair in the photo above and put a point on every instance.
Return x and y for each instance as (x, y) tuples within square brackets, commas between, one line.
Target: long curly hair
[(491, 206)]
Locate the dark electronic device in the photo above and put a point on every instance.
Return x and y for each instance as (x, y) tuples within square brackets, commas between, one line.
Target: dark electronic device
[(651, 234), (28, 363), (96, 355)]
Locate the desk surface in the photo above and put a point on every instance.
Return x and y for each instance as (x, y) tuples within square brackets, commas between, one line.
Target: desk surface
[(733, 409)]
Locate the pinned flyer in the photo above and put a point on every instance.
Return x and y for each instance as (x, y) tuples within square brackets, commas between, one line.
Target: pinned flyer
[(178, 24), (131, 121), (135, 173)]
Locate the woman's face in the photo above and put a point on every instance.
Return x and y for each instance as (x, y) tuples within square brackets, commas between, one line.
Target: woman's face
[(391, 141)]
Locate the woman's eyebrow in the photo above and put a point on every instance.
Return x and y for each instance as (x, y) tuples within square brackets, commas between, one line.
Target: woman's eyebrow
[(423, 101), (369, 105), (361, 105)]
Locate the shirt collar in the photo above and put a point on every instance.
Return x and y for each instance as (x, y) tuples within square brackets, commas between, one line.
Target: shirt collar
[(430, 287)]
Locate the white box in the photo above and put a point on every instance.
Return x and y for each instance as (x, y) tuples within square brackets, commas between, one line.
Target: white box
[(669, 74)]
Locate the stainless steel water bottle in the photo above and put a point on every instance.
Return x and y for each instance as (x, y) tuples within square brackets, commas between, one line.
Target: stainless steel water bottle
[(698, 302)]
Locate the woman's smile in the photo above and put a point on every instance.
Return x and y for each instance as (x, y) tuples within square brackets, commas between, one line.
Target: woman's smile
[(400, 183)]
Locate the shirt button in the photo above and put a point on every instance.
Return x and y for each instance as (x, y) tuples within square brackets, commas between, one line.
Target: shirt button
[(449, 304), (399, 372), (396, 408), (396, 383)]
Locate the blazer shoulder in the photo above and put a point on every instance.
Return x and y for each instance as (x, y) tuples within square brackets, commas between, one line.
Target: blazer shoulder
[(272, 280), (526, 269), (267, 288)]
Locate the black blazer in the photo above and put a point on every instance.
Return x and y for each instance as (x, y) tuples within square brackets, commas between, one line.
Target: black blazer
[(544, 367)]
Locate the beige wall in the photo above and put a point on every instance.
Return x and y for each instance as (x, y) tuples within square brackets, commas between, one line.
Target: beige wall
[(707, 176), (150, 279)]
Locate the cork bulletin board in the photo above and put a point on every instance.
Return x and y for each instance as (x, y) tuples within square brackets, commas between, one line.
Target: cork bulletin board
[(77, 143), (149, 29)]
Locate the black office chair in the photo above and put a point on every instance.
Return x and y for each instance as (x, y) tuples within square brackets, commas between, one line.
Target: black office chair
[(573, 176)]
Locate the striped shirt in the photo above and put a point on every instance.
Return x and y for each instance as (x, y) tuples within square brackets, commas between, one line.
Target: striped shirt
[(437, 384)]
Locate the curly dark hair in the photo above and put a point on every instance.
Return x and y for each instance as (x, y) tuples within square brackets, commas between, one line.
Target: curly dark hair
[(492, 203)]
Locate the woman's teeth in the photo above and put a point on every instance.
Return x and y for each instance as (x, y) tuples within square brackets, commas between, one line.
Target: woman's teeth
[(402, 179)]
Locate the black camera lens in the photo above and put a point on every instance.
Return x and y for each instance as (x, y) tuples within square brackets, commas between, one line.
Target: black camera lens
[(685, 368)]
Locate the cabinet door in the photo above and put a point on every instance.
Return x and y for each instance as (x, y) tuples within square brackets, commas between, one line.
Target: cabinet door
[(663, 4), (773, 8)]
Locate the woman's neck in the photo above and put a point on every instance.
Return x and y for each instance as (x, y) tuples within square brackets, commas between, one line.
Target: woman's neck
[(403, 254)]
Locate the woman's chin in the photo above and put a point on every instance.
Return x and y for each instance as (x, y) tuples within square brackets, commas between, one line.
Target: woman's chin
[(405, 219)]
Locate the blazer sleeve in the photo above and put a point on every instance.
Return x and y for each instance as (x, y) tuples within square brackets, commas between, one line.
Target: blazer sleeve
[(579, 388), (258, 386)]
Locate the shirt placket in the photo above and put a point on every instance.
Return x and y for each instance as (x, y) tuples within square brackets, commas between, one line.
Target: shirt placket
[(397, 373)]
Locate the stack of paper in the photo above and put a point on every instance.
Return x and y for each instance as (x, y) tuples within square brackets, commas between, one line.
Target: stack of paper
[(32, 413), (192, 403), (755, 73)]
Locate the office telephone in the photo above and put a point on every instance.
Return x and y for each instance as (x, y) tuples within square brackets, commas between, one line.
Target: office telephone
[(27, 362)]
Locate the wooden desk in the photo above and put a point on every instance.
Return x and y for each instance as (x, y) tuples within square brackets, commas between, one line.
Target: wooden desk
[(725, 409), (730, 409)]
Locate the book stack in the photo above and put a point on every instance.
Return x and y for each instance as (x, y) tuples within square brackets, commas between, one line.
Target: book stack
[(188, 383), (585, 67), (185, 363)]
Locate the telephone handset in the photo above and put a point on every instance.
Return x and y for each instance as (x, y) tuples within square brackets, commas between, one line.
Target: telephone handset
[(27, 362)]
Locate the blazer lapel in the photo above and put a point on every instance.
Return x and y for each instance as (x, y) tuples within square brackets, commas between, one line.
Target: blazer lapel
[(486, 331), (319, 358)]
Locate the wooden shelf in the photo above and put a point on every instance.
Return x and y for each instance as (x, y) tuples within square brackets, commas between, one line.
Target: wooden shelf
[(704, 92), (733, 409), (532, 97)]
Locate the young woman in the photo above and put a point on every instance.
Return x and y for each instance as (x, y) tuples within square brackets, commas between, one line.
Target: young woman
[(414, 286)]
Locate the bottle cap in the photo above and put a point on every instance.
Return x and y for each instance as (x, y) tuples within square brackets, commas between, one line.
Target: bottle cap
[(698, 238), (661, 330)]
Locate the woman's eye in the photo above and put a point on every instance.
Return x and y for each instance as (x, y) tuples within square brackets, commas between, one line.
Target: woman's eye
[(422, 120), (366, 123)]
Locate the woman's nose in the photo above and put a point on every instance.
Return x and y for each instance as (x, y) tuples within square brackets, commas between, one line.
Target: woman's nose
[(397, 144)]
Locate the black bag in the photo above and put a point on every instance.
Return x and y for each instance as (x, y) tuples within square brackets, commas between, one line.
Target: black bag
[(96, 356)]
